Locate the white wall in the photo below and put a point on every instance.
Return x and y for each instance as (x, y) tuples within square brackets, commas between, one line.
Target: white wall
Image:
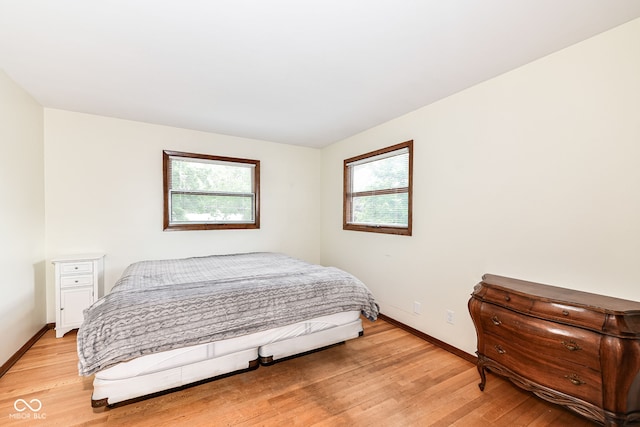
[(22, 256), (534, 174), (104, 194)]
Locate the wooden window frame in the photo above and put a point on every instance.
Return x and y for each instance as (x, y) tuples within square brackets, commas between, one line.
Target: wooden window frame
[(347, 195), (168, 226)]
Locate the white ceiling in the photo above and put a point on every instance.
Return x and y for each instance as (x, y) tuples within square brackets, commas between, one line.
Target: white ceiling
[(305, 72)]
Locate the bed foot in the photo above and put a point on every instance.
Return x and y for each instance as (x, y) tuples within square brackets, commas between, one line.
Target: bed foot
[(266, 360), (99, 403), (254, 364)]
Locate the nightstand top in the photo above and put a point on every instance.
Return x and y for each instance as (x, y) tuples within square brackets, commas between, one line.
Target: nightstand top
[(78, 257)]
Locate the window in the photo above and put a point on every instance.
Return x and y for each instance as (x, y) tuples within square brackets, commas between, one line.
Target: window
[(204, 192), (378, 190)]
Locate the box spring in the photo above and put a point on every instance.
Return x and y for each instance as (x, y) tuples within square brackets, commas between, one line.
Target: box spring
[(176, 368)]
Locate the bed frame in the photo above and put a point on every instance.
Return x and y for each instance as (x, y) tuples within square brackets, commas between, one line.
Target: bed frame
[(213, 310), (173, 370)]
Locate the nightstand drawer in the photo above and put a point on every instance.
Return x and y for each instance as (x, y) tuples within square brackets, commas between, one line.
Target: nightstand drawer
[(76, 267), (72, 281)]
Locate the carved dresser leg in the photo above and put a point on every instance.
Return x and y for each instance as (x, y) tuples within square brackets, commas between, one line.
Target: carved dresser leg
[(483, 377)]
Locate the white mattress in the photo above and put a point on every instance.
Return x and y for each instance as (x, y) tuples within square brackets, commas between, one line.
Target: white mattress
[(184, 356)]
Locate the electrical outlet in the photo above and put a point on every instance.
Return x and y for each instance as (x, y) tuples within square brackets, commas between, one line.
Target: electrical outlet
[(417, 307), (450, 317)]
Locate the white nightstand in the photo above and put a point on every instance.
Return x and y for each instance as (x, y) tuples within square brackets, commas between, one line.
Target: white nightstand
[(78, 283)]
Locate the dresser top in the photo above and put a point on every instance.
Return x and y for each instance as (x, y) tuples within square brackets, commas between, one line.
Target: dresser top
[(549, 293)]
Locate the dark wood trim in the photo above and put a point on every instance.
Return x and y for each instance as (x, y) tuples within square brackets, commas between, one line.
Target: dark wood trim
[(347, 196), (166, 182), (451, 349), (18, 354)]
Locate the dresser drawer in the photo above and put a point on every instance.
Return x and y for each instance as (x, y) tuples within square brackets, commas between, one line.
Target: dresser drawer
[(73, 281), (533, 364), (508, 299), (76, 267), (548, 339), (569, 314)]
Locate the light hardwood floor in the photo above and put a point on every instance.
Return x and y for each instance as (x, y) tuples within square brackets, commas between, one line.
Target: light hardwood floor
[(386, 378)]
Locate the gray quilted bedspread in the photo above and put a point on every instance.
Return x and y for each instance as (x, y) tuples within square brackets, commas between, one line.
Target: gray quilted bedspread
[(162, 305)]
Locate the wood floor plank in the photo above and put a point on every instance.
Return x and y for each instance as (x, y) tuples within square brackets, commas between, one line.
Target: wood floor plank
[(388, 377)]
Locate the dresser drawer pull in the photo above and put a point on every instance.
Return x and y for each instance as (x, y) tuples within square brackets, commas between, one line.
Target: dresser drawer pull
[(507, 298), (500, 350), (496, 321), (575, 380), (571, 346), (565, 313)]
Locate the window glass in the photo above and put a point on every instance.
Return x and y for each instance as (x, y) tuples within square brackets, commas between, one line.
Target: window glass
[(210, 192), (389, 172)]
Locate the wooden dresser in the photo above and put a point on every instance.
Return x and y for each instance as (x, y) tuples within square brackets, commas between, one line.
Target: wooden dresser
[(573, 348)]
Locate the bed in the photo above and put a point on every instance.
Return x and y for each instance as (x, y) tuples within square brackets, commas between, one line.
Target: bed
[(171, 323)]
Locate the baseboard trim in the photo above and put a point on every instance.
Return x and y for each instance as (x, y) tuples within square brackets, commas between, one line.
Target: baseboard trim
[(451, 349), (13, 359)]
